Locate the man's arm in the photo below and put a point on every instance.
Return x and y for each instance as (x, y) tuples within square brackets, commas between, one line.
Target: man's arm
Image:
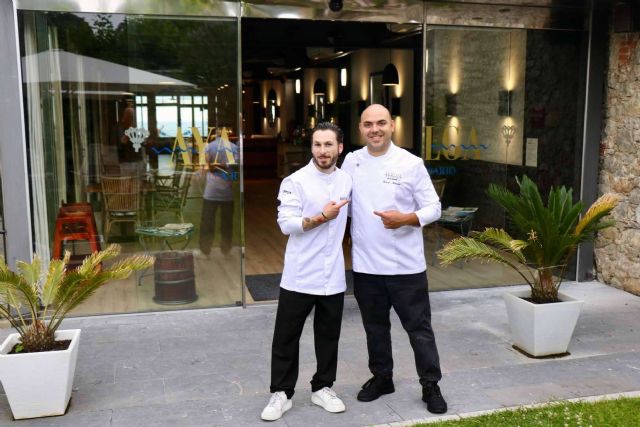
[(329, 212)]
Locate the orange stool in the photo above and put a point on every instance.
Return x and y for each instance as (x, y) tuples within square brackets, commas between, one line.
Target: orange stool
[(75, 222)]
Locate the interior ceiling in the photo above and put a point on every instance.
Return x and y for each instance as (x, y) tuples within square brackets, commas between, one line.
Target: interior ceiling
[(272, 48)]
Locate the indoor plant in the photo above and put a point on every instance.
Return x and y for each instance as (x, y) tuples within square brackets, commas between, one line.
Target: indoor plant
[(38, 375), (547, 236)]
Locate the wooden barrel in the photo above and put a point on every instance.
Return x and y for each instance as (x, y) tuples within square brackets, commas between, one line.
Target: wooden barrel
[(174, 278)]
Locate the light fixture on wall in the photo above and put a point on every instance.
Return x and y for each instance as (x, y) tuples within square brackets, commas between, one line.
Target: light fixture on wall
[(395, 106), (504, 102), (343, 77), (298, 85), (390, 75), (319, 87), (451, 107)]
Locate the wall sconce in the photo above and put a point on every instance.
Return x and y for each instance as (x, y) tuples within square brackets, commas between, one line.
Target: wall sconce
[(298, 85), (272, 108), (361, 106), (343, 77), (390, 75), (451, 108), (319, 87), (395, 106), (504, 102)]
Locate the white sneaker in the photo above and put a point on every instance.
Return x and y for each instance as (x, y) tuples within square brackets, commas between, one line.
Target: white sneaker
[(277, 406), (328, 400)]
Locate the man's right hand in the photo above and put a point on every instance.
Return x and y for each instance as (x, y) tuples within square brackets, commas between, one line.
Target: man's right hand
[(332, 209)]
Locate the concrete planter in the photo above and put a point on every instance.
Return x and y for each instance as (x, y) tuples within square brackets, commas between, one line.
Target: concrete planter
[(542, 329), (39, 384)]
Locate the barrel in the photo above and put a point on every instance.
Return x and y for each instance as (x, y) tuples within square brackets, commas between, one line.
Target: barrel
[(174, 278)]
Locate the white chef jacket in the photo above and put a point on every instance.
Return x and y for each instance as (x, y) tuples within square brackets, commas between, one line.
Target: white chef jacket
[(397, 180), (313, 261)]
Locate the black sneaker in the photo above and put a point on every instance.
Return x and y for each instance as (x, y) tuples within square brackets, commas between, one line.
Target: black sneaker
[(375, 387), (432, 396)]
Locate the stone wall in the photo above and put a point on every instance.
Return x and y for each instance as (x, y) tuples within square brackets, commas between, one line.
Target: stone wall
[(618, 248)]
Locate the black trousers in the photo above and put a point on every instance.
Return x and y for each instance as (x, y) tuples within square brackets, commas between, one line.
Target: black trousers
[(293, 309), (409, 296), (208, 224)]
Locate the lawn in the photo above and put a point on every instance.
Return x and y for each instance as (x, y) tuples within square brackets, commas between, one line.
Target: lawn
[(623, 412)]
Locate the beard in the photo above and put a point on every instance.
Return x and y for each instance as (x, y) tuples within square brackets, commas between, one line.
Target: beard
[(328, 162)]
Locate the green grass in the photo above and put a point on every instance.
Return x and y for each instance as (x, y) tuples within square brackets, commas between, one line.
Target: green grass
[(623, 412)]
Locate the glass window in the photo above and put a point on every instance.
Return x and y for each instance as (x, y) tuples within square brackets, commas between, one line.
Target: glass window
[(102, 131), (500, 103)]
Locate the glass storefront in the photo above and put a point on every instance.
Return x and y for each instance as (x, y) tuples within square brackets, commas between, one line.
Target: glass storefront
[(133, 138), (134, 134), (500, 104)]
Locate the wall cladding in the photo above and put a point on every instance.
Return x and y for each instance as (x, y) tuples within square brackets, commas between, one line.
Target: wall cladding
[(618, 248)]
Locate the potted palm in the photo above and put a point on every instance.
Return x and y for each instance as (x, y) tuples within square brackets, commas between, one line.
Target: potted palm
[(541, 318), (37, 363)]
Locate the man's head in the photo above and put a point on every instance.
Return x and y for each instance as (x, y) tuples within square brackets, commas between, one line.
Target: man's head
[(376, 127), (326, 145)]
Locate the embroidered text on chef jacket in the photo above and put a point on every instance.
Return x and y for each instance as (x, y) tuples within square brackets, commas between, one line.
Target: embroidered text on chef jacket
[(314, 263), (396, 180)]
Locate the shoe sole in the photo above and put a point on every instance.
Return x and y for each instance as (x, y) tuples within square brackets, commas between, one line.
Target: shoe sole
[(285, 408), (319, 402), (367, 399)]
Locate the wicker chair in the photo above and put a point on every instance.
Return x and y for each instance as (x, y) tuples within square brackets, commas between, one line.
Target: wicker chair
[(170, 193), (121, 195)]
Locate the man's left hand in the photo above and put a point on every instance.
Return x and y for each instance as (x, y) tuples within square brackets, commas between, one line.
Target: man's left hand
[(395, 219)]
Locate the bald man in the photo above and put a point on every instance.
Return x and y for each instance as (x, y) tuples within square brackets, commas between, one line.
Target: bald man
[(392, 199)]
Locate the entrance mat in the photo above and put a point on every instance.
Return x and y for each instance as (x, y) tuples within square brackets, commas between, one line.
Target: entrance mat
[(266, 287)]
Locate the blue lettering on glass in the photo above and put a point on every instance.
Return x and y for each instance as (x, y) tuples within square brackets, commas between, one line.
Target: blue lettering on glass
[(442, 170), (227, 176)]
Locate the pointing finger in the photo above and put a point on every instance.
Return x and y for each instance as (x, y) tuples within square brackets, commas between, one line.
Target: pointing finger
[(341, 203)]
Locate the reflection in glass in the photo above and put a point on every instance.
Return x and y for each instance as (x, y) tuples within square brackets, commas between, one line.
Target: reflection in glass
[(106, 95)]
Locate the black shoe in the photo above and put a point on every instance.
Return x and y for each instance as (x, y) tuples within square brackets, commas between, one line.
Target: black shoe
[(375, 387), (432, 396)]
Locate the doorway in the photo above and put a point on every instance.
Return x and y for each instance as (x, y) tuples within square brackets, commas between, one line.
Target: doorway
[(297, 73)]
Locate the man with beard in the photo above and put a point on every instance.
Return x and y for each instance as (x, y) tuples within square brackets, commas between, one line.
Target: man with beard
[(310, 214), (393, 197)]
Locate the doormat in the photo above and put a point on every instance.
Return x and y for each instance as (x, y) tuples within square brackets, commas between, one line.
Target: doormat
[(266, 287)]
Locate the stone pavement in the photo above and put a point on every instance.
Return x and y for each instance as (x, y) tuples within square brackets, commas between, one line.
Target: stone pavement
[(211, 367)]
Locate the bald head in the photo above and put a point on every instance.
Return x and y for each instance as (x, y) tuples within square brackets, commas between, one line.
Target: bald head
[(376, 128)]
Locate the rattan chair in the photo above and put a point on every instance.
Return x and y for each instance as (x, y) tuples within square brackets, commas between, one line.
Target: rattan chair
[(170, 195), (121, 195)]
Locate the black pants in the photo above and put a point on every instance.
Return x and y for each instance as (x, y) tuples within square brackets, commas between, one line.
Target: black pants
[(293, 309), (409, 296), (208, 223)]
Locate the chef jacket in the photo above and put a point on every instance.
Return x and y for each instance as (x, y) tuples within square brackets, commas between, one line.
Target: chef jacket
[(313, 261), (396, 180)]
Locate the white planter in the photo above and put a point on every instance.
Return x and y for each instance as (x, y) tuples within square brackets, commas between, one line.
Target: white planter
[(39, 384), (542, 329)]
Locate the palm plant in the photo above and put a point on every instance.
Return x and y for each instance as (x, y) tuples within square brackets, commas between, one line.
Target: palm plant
[(35, 303), (547, 235)]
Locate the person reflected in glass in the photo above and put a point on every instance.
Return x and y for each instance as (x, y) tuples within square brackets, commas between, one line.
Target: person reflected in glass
[(222, 156)]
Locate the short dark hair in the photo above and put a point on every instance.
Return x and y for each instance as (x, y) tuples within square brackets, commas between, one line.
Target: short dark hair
[(329, 126)]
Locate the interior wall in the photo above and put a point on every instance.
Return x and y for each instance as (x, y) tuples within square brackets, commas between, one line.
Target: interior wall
[(367, 61), (476, 65)]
